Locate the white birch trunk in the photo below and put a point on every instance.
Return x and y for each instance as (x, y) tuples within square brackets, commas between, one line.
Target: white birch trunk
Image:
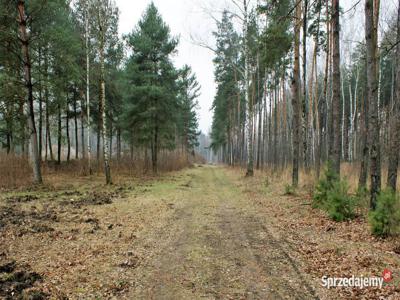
[(89, 149)]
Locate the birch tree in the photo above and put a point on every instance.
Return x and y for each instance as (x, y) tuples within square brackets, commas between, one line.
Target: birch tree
[(249, 107), (106, 18), (89, 147)]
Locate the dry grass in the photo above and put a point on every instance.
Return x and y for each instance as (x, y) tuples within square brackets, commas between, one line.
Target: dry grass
[(308, 180), (16, 172), (339, 249)]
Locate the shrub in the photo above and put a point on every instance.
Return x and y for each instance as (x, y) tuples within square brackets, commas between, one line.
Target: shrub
[(289, 190), (325, 184), (363, 196), (362, 193), (340, 205), (332, 195), (385, 219)]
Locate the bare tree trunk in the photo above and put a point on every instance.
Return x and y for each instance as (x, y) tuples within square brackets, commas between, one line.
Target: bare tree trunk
[(304, 118), (118, 144), (249, 109), (285, 140), (372, 87), (270, 136), (394, 148), (48, 132), (47, 112), (82, 121), (98, 140), (345, 121), (323, 105), (37, 175), (265, 120), (76, 128), (275, 155), (259, 99), (106, 150), (89, 147), (111, 141), (314, 102), (336, 103), (362, 182), (295, 98), (154, 152), (67, 132), (40, 106), (59, 135)]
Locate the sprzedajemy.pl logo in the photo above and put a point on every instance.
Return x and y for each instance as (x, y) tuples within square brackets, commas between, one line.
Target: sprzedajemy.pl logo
[(360, 282)]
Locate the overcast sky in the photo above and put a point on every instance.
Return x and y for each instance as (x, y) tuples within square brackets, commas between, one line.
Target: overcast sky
[(191, 20)]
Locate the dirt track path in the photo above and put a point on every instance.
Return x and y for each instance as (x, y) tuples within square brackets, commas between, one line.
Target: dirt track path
[(214, 245)]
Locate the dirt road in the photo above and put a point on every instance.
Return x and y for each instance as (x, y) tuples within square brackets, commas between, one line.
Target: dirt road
[(201, 233), (193, 234), (214, 245)]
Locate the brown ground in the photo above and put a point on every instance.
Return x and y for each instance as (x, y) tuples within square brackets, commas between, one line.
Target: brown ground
[(202, 233)]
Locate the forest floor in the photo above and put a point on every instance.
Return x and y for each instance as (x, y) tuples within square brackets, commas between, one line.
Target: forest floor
[(201, 233)]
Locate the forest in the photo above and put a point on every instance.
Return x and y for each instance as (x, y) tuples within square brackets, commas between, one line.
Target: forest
[(72, 66), (286, 99), (110, 188)]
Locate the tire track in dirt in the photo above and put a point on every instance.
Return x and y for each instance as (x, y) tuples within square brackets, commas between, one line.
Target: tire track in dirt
[(283, 278), (215, 246)]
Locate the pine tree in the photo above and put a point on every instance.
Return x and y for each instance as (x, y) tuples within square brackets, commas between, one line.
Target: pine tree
[(151, 104), (24, 38), (335, 152), (296, 98), (371, 32), (228, 105), (189, 91)]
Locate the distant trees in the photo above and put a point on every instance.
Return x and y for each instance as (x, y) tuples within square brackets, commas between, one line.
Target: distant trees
[(227, 131), (187, 124), (341, 109), (70, 61)]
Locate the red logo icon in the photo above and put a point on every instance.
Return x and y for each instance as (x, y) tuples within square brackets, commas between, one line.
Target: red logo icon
[(387, 275)]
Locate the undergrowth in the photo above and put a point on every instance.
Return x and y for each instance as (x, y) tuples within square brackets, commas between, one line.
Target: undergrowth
[(332, 195), (385, 219)]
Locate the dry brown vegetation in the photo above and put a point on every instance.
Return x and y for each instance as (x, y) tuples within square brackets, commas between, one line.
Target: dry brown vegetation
[(340, 249), (76, 237), (55, 239), (307, 180), (16, 172)]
